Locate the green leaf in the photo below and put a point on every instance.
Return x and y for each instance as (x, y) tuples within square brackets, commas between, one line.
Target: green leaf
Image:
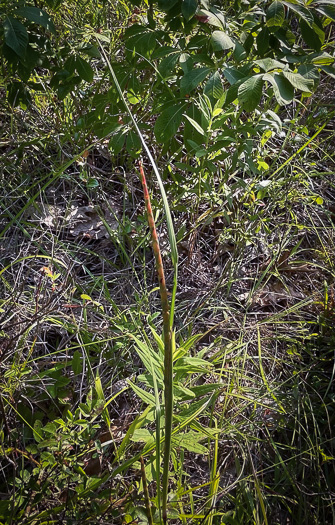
[(275, 14), (327, 11), (190, 441), (213, 87), (84, 69), (269, 64), (168, 122), (221, 41), (190, 133), (298, 81), (16, 36), (250, 92), (262, 41), (313, 36), (146, 397), (116, 142), (195, 124), (192, 79), (77, 363), (309, 71), (282, 88), (38, 16), (167, 65), (189, 8), (300, 10), (133, 143)]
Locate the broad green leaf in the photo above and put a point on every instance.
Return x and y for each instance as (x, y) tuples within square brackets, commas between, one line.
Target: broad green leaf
[(16, 36), (262, 41), (77, 363), (38, 16), (298, 81), (165, 5), (133, 143), (143, 43), (188, 8), (309, 71), (221, 41), (213, 87), (116, 142), (268, 64), (168, 122), (313, 36), (329, 70), (190, 441), (167, 65), (142, 434), (209, 18), (326, 10), (84, 69), (304, 13), (282, 88), (275, 14), (192, 79), (233, 75), (250, 92)]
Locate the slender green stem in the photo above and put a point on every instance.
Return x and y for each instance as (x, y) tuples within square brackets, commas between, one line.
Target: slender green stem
[(168, 343)]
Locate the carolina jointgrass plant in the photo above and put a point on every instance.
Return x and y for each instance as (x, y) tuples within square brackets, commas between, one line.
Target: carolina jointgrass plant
[(167, 309)]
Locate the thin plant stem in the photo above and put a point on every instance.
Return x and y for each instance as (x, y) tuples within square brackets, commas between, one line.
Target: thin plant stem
[(168, 343)]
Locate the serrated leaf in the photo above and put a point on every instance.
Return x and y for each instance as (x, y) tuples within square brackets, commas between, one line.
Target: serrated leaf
[(213, 87), (298, 81), (250, 92), (233, 75), (192, 79), (84, 69), (188, 8), (221, 41), (168, 64), (282, 88), (269, 64), (16, 36), (38, 16), (275, 14), (77, 363), (300, 10), (168, 122)]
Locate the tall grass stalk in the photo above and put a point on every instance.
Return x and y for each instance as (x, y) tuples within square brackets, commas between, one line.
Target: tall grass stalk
[(167, 310)]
